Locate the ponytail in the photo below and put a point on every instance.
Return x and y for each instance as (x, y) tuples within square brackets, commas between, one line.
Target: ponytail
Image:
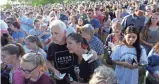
[(79, 39), (32, 39), (21, 49), (39, 43), (14, 49)]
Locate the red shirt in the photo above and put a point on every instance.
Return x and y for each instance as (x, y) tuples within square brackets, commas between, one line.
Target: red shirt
[(100, 18)]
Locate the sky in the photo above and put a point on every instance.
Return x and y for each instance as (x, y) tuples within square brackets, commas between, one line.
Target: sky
[(3, 2)]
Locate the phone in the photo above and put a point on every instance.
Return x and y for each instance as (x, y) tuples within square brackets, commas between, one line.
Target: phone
[(134, 61), (60, 76), (87, 56)]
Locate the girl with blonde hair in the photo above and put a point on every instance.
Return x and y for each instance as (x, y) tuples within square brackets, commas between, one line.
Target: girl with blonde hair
[(33, 67)]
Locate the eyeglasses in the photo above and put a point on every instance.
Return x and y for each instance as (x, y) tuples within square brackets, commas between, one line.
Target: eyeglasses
[(27, 71)]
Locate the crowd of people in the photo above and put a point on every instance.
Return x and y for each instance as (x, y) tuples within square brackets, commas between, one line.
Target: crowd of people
[(80, 43)]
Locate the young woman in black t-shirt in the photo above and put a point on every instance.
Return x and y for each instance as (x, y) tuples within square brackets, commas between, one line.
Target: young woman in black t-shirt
[(78, 45)]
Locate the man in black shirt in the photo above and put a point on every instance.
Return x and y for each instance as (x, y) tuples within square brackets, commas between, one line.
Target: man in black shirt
[(58, 54)]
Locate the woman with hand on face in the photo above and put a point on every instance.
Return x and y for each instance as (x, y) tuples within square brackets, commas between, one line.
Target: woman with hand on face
[(128, 56), (11, 54), (78, 45), (32, 66)]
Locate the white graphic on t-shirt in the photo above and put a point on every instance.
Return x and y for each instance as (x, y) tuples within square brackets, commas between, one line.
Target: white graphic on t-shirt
[(63, 60)]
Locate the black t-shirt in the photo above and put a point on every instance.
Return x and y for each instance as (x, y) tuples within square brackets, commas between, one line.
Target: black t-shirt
[(85, 70), (63, 61)]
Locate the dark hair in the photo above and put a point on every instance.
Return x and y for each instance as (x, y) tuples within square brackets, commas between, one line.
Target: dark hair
[(68, 13), (75, 17), (35, 39), (16, 24), (14, 49), (90, 9), (79, 39), (150, 22), (36, 20), (106, 16), (39, 17), (4, 39), (8, 13), (30, 13), (10, 19), (132, 29), (83, 19), (96, 9)]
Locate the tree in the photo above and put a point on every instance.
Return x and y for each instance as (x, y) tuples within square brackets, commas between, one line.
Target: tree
[(41, 2)]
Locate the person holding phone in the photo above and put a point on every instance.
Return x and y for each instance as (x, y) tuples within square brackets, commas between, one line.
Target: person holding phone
[(60, 60), (78, 45), (128, 56)]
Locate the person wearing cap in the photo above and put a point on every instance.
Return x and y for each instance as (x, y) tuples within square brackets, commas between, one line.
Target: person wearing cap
[(136, 19), (124, 13), (87, 31)]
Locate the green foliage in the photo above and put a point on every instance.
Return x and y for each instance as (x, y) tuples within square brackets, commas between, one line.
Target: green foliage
[(7, 6), (41, 2)]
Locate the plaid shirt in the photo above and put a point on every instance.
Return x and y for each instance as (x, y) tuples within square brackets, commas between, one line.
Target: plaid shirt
[(96, 44)]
